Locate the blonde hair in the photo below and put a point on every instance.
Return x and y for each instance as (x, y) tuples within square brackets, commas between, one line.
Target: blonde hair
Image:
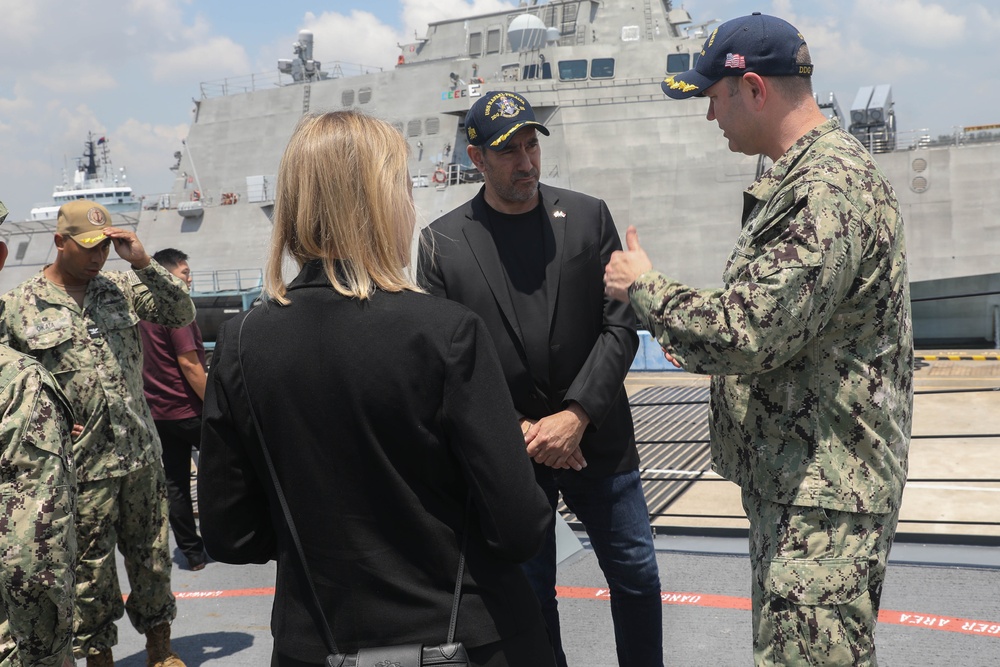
[(344, 197)]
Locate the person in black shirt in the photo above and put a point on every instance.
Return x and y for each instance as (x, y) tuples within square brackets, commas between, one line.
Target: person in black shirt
[(529, 259)]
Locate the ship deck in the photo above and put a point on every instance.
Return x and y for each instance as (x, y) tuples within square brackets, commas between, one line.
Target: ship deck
[(939, 604)]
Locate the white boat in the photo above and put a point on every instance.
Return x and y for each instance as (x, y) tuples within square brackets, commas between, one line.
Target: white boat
[(93, 179)]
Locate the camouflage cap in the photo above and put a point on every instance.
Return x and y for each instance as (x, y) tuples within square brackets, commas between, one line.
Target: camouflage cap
[(82, 221)]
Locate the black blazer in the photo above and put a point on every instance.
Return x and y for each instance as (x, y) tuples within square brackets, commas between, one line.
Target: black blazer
[(592, 339), (381, 417)]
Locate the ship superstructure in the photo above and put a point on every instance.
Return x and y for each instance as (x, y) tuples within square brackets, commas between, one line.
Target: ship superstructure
[(592, 72)]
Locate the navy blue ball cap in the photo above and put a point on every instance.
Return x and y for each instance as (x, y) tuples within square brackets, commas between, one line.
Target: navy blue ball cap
[(496, 117), (757, 43)]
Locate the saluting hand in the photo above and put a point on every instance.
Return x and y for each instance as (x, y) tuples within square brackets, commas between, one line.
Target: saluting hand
[(128, 247), (625, 266)]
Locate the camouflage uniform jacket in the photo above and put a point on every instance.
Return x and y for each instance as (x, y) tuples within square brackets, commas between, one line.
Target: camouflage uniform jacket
[(95, 354), (809, 342), (37, 503)]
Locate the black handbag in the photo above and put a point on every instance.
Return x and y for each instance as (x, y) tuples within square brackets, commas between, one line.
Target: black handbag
[(449, 654)]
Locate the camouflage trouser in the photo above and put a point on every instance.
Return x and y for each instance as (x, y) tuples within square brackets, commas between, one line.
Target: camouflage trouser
[(817, 582), (129, 512), (9, 654)]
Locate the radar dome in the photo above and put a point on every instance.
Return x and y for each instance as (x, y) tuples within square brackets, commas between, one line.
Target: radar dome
[(526, 32)]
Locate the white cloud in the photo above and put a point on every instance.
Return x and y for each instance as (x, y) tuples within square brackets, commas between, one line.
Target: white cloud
[(357, 38), (360, 37), (208, 59), (76, 81), (914, 22), (417, 14)]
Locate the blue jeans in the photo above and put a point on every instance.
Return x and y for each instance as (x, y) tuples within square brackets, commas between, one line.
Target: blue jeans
[(613, 511)]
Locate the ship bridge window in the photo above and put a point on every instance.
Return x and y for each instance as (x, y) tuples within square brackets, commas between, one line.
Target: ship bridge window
[(347, 98), (678, 62), (493, 40), (544, 71), (602, 68), (475, 44), (570, 70), (364, 96)]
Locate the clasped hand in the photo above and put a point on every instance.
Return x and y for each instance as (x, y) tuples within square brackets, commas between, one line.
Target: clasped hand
[(554, 441)]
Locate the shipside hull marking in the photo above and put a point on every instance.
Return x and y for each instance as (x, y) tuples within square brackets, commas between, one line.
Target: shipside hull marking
[(927, 621)]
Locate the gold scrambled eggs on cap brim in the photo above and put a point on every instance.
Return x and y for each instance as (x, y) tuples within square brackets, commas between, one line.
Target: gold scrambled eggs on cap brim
[(89, 239)]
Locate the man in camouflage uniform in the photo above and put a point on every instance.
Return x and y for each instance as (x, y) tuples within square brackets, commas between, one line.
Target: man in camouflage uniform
[(809, 345), (37, 501), (81, 324)]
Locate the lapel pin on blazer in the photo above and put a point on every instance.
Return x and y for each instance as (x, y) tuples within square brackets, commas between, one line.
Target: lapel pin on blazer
[(559, 214)]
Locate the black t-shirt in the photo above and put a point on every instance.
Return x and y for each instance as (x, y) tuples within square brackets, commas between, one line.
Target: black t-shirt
[(525, 245)]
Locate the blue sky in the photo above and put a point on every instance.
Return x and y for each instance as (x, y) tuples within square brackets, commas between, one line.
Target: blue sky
[(129, 69)]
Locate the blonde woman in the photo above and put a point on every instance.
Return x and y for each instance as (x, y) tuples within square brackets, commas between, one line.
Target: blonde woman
[(384, 409)]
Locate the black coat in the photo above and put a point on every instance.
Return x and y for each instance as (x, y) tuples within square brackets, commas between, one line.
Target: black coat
[(592, 338), (381, 417)]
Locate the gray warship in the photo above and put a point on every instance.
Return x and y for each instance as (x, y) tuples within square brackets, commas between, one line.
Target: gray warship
[(592, 71)]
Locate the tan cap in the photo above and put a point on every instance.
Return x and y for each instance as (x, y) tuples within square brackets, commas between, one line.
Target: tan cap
[(83, 220)]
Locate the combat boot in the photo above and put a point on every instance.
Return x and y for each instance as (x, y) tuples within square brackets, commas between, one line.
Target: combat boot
[(102, 659), (158, 653)]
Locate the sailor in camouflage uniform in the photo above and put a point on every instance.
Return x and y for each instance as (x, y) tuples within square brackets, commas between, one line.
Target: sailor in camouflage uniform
[(809, 345), (37, 501), (81, 324)]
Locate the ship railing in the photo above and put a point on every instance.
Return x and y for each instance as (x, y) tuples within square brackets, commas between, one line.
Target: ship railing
[(672, 432), (673, 438), (959, 136), (221, 197), (908, 140), (248, 83), (970, 295), (614, 96), (160, 201), (222, 282)]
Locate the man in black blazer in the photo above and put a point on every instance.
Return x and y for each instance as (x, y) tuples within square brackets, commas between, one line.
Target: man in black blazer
[(529, 259)]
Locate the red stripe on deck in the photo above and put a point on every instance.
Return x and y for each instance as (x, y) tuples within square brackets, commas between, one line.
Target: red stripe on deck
[(927, 621), (234, 593), (690, 599)]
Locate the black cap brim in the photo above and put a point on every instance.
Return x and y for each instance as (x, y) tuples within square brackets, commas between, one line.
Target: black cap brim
[(687, 84)]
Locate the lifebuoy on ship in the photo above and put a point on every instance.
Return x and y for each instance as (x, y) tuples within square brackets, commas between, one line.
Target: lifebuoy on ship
[(439, 176)]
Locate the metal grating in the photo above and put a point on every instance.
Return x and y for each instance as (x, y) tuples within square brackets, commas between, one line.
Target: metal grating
[(671, 433)]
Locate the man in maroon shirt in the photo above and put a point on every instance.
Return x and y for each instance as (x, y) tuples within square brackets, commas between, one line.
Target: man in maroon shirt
[(174, 376)]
